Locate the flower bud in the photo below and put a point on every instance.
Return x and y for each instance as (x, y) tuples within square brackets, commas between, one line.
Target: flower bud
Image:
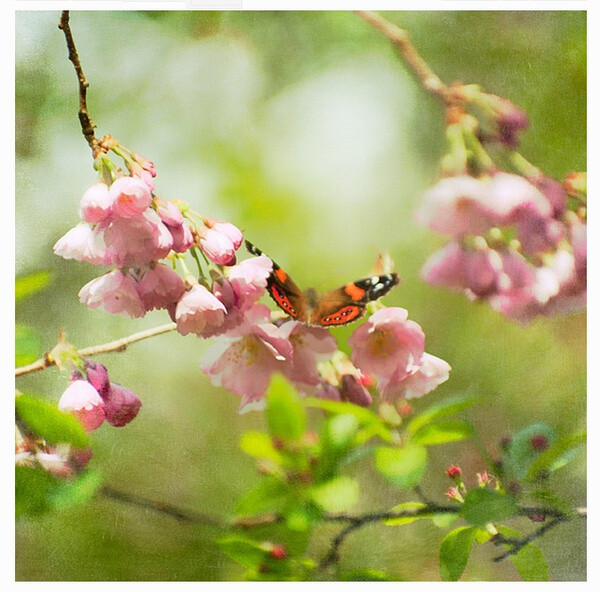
[(454, 472), (121, 405), (82, 400)]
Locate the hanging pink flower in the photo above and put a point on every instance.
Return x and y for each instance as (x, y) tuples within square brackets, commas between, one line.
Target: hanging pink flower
[(121, 405), (85, 243), (218, 247), (82, 400), (131, 197), (115, 292), (159, 287), (432, 372), (388, 346), (231, 231), (248, 280), (245, 362), (96, 204), (199, 312)]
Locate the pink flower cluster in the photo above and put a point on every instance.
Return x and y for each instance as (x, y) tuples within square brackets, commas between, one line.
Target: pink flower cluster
[(94, 399), (388, 347), (513, 242)]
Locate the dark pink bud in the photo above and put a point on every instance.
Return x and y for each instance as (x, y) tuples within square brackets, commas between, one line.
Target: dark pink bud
[(454, 472), (353, 391), (539, 442), (537, 518), (97, 376), (278, 552), (121, 405)]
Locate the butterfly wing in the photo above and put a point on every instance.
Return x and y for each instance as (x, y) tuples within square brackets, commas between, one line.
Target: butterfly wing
[(348, 303), (284, 291)]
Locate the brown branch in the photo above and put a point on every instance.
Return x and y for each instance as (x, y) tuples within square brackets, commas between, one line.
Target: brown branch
[(430, 81), (117, 345), (161, 507), (87, 125)]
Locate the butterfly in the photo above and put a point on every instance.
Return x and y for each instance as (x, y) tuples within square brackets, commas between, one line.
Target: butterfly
[(336, 307)]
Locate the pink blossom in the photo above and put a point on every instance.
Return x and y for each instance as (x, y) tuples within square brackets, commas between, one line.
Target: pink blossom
[(388, 345), (131, 197), (169, 213), (245, 363), (115, 292), (121, 405), (145, 163), (432, 372), (311, 345), (138, 241), (352, 390), (159, 287), (82, 400), (96, 204), (97, 376), (84, 243), (232, 232), (249, 279), (182, 238), (199, 312), (218, 247), (457, 206)]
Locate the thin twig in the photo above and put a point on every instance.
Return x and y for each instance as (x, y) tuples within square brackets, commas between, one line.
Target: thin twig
[(117, 345), (161, 507), (430, 81), (87, 125)]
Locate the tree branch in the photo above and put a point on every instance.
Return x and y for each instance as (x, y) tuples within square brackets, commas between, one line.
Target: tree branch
[(430, 81), (87, 125), (118, 345)]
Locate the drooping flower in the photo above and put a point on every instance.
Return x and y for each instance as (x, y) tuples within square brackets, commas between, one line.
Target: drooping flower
[(121, 405), (115, 292), (131, 197), (199, 312), (244, 361), (82, 400), (85, 243), (96, 204), (160, 287), (218, 247)]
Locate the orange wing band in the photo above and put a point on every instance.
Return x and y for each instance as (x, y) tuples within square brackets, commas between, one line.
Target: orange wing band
[(354, 291)]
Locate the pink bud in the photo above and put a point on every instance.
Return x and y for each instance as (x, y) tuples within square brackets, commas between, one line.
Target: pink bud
[(131, 196), (232, 232), (454, 472), (353, 391), (83, 401), (121, 405), (218, 247), (97, 376)]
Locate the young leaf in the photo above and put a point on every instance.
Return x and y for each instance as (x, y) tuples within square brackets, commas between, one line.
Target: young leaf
[(260, 445), (28, 346), (34, 488), (30, 284), (482, 506), (337, 495), (455, 551), (340, 430), (367, 575), (525, 448), (243, 550), (529, 561), (442, 432), (77, 492), (269, 495), (403, 507), (404, 467), (447, 407), (47, 422), (555, 457), (285, 414)]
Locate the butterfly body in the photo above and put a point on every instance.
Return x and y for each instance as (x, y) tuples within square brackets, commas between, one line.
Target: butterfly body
[(333, 308)]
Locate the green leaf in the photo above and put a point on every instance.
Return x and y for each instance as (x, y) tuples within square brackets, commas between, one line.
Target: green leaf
[(447, 407), (34, 489), (555, 457), (521, 454), (28, 346), (47, 422), (482, 506), (269, 495), (529, 561), (442, 432), (285, 414), (260, 445), (455, 551), (79, 491), (300, 518), (337, 495), (32, 283), (366, 575), (402, 508), (340, 430), (243, 550), (404, 467)]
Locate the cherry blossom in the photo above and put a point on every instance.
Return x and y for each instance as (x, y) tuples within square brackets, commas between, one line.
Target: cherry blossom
[(116, 292), (82, 400)]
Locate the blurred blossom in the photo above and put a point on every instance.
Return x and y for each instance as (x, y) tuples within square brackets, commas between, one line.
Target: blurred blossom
[(352, 390), (82, 400), (244, 360), (116, 292)]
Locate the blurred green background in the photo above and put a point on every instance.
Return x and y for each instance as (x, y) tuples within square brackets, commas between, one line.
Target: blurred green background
[(305, 130)]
